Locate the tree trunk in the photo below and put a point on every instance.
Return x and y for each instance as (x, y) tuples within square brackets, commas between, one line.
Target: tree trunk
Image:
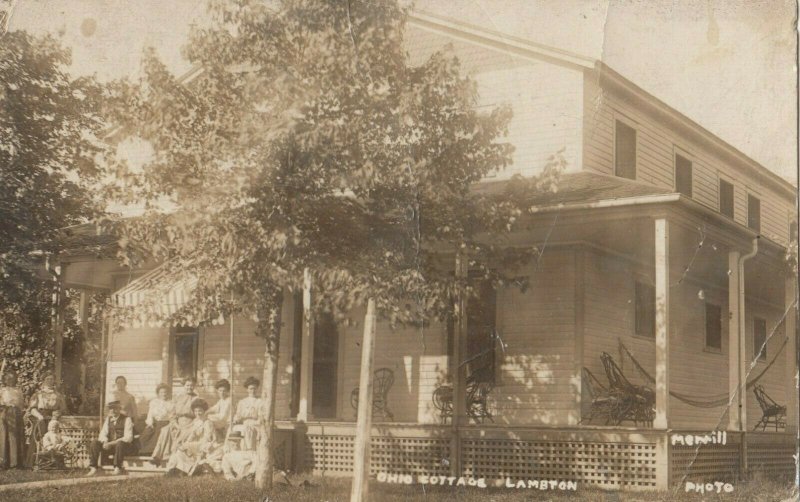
[(269, 326)]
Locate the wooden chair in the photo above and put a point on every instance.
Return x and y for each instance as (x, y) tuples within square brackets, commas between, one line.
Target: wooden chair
[(46, 460), (383, 381), (443, 402), (771, 412), (635, 403)]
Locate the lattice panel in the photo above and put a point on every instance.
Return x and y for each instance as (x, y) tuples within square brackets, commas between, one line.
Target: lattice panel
[(704, 463), (772, 460), (81, 438), (333, 455), (608, 465)]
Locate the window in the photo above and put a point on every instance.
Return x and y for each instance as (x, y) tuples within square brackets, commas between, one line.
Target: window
[(645, 310), (683, 175), (713, 326), (726, 198), (625, 151), (753, 213), (759, 339), (325, 367), (184, 355), (481, 331), (297, 349)]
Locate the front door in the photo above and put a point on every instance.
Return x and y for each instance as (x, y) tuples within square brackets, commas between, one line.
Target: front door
[(325, 368)]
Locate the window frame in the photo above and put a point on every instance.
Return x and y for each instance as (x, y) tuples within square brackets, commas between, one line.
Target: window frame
[(706, 346), (652, 305), (728, 181), (756, 347), (175, 333), (679, 152), (617, 117)]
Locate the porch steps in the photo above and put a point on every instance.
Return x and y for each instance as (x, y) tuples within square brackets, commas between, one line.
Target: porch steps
[(138, 464)]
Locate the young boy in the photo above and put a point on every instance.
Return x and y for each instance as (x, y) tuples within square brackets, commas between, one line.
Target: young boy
[(54, 444)]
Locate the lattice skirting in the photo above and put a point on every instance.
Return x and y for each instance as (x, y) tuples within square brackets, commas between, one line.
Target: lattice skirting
[(770, 455), (705, 463), (332, 455), (81, 438), (606, 465)]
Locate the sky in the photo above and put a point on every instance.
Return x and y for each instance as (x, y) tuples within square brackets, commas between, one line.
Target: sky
[(730, 65)]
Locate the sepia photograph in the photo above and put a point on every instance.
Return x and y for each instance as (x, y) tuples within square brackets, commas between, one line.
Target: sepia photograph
[(396, 250)]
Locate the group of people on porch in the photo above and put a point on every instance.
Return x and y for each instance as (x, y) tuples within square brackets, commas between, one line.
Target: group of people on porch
[(184, 432)]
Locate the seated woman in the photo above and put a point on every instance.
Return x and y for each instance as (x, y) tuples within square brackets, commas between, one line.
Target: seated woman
[(246, 416), (126, 399), (43, 404), (159, 414), (179, 430), (55, 447), (202, 447)]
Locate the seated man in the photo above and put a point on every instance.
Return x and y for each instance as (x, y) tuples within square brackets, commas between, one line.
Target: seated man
[(115, 436), (54, 445)]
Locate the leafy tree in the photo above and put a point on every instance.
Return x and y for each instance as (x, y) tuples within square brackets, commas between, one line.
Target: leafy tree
[(47, 151), (309, 142)]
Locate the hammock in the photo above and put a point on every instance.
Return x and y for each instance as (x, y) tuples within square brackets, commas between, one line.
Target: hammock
[(712, 401)]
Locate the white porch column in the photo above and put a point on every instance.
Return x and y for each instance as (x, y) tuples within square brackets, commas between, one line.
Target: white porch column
[(790, 327), (306, 351), (662, 323), (733, 340)]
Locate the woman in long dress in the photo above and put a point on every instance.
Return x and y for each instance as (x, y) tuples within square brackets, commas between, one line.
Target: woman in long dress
[(180, 429), (12, 431), (203, 447), (44, 403), (159, 414), (246, 417)]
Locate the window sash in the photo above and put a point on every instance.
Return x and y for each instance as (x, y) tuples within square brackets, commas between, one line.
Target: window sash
[(726, 198), (645, 314), (625, 151), (683, 175), (754, 213), (713, 326)]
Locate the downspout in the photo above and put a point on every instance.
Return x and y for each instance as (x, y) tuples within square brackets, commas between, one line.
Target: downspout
[(742, 354)]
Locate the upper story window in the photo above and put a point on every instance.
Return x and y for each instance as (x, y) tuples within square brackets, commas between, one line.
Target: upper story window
[(645, 310), (759, 339), (713, 326), (726, 198), (683, 175), (625, 151), (753, 213)]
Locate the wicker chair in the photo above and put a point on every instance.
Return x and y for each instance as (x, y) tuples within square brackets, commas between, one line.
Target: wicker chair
[(603, 403), (771, 412), (47, 460), (383, 381), (479, 386), (635, 403), (443, 402)]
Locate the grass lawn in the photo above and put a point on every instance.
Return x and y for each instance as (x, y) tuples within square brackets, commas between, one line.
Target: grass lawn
[(209, 488), (26, 475)]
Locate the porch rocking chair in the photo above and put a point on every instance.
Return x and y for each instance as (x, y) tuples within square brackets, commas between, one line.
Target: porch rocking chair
[(479, 386), (382, 382), (635, 403), (771, 412), (46, 460), (603, 403), (443, 402)]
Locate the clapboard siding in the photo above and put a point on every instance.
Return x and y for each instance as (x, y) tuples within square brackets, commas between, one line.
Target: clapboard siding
[(545, 98), (774, 380), (538, 328), (136, 354), (656, 146)]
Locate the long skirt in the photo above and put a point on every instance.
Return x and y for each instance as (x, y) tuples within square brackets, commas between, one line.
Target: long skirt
[(172, 436), (12, 437), (192, 455), (149, 437)]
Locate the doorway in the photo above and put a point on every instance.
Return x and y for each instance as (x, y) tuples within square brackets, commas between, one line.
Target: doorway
[(325, 368)]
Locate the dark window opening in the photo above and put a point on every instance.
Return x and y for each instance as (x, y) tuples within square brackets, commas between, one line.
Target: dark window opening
[(754, 213), (184, 355), (713, 326), (481, 336), (683, 175), (726, 198), (325, 368), (645, 310), (760, 339), (625, 151)]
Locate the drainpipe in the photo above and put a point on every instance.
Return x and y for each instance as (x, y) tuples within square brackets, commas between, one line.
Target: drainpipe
[(742, 355)]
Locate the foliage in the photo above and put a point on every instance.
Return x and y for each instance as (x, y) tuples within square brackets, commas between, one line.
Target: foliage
[(47, 126)]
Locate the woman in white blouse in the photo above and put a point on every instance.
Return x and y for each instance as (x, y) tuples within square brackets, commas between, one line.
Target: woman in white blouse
[(247, 411), (159, 413)]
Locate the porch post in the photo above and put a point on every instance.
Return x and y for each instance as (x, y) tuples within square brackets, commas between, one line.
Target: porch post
[(790, 327), (460, 376), (733, 341), (306, 351), (662, 323), (661, 420)]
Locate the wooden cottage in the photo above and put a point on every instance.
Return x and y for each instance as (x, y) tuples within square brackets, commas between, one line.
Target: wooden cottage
[(660, 291)]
